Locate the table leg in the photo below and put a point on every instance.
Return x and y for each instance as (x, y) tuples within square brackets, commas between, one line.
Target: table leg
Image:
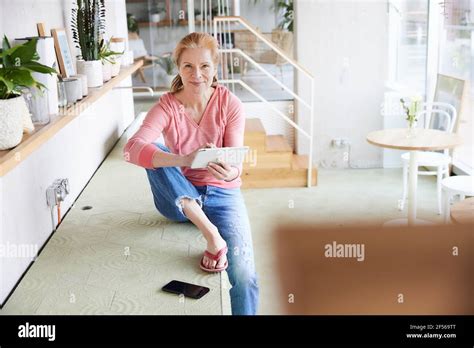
[(412, 181)]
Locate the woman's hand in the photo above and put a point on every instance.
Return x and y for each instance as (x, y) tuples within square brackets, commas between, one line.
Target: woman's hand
[(189, 158), (221, 170)]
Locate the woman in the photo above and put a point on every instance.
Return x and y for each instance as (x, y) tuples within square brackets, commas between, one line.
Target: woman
[(197, 113)]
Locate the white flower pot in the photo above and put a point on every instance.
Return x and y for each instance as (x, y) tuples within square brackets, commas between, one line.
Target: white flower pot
[(106, 71), (93, 70), (116, 67), (155, 17), (13, 113)]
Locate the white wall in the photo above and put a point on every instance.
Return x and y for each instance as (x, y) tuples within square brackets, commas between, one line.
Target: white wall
[(344, 45), (82, 145), (18, 18)]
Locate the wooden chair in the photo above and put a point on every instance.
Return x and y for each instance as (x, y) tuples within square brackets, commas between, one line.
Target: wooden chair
[(140, 54)]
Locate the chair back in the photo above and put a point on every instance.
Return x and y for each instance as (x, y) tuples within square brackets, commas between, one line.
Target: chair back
[(438, 115)]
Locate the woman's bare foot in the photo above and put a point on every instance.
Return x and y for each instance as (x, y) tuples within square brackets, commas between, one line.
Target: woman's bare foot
[(214, 244), (210, 232)]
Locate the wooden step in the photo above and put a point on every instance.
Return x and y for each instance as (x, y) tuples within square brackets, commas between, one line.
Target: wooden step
[(277, 143), (254, 135), (278, 154), (294, 176)]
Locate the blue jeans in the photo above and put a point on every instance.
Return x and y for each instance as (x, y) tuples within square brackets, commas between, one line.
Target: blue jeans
[(225, 208)]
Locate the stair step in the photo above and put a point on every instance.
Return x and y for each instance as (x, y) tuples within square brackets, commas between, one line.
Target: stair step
[(264, 159), (294, 176), (254, 136), (277, 143), (300, 162)]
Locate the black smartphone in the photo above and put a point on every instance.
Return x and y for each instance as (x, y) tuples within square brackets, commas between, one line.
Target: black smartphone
[(187, 289)]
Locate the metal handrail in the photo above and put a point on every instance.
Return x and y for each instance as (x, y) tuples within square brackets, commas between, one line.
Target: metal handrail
[(291, 122), (259, 67), (274, 47), (295, 64)]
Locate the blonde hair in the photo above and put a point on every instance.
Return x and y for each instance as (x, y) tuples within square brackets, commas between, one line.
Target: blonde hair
[(194, 40)]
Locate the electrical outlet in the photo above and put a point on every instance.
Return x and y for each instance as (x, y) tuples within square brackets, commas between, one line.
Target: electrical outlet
[(57, 192), (340, 142)]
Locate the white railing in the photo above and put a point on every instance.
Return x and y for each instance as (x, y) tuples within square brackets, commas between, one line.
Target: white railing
[(221, 22)]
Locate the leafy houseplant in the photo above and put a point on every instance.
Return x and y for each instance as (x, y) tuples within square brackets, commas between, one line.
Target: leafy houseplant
[(411, 110), (132, 24), (167, 64), (288, 15), (88, 24), (108, 58), (16, 67)]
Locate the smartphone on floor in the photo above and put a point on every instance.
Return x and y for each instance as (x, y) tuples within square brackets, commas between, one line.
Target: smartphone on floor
[(187, 289)]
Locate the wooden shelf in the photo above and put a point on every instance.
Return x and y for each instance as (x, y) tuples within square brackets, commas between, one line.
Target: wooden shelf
[(9, 159), (166, 23)]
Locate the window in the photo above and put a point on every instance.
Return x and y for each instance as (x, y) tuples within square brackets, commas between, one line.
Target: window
[(408, 32), (456, 58)]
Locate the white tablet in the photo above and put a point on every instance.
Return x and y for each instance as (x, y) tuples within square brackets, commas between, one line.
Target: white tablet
[(229, 155)]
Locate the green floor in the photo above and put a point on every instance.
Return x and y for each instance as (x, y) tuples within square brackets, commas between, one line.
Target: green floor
[(113, 258)]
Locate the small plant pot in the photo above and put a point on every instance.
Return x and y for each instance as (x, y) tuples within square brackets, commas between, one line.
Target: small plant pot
[(106, 71), (155, 17), (13, 112), (116, 67), (93, 70)]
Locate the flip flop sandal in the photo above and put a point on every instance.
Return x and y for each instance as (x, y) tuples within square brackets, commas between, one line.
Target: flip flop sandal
[(215, 257)]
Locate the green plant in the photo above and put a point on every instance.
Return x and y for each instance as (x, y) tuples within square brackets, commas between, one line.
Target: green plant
[(224, 11), (288, 15), (106, 54), (132, 24), (16, 65), (411, 109), (87, 24), (167, 63)]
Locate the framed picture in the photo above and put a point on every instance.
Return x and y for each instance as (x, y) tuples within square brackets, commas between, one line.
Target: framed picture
[(63, 53), (453, 91)]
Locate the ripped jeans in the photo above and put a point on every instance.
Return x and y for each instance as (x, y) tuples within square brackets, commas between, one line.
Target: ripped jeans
[(225, 208)]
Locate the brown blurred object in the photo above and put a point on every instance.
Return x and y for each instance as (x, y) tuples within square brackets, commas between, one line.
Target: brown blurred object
[(416, 262), (463, 212)]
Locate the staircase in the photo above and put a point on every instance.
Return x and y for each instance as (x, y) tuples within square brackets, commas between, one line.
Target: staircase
[(272, 162)]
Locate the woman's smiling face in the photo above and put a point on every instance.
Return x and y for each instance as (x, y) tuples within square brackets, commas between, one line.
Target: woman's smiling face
[(197, 69)]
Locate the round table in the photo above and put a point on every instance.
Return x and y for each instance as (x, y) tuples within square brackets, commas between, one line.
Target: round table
[(419, 139), (463, 212)]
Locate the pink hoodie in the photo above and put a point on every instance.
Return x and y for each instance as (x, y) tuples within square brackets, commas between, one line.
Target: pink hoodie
[(222, 123)]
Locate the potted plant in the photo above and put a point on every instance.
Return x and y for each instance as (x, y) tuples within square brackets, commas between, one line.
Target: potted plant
[(88, 23), (167, 64), (411, 110), (198, 16), (16, 67), (132, 24), (288, 15), (110, 66)]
